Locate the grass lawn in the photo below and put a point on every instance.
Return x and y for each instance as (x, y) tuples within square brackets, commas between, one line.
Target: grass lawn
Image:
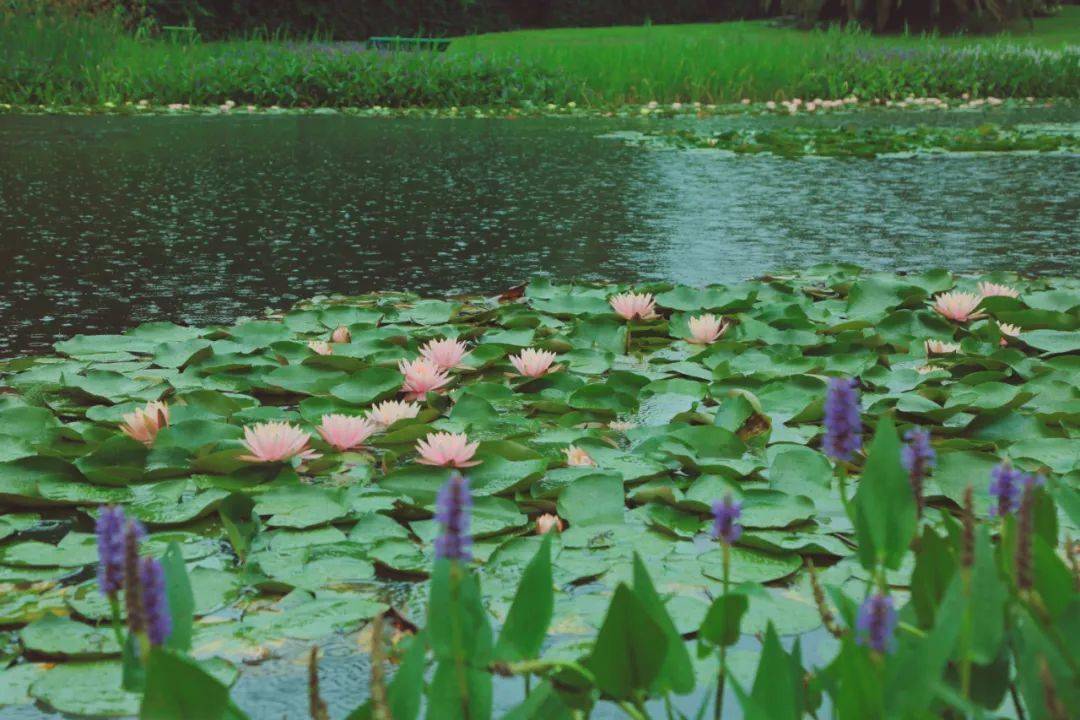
[(722, 61)]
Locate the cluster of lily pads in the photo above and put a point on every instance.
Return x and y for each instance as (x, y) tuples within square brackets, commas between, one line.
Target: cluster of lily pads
[(597, 428), (867, 142)]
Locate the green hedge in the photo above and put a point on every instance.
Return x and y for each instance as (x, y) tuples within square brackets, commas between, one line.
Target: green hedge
[(360, 19)]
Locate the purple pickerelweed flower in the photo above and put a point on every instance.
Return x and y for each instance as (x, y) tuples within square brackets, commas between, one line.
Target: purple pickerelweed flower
[(110, 544), (876, 623), (133, 535), (725, 514), (843, 426), (1007, 488), (155, 605), (918, 457), (452, 511)]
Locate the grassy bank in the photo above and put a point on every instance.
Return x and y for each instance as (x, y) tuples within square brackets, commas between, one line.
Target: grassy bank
[(45, 61)]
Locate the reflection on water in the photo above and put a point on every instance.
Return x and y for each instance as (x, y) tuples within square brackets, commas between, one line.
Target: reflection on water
[(108, 222)]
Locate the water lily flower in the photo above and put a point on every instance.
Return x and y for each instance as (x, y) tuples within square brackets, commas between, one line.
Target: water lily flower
[(421, 377), (345, 432), (706, 329), (577, 457), (634, 305), (320, 347), (387, 413), (876, 624), (447, 450), (145, 423), (958, 306), (533, 363), (989, 289), (927, 369), (843, 424), (938, 347), (444, 354), (341, 334), (1008, 330), (547, 523), (276, 441)]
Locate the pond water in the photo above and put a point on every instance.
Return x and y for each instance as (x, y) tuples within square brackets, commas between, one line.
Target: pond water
[(106, 222)]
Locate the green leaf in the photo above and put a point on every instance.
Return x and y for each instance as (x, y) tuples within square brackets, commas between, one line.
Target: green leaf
[(527, 621), (458, 625), (177, 688), (593, 500), (885, 515), (721, 623), (777, 687), (986, 601), (677, 673), (180, 597), (630, 648)]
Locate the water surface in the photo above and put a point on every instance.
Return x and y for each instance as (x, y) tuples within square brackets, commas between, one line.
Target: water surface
[(106, 222)]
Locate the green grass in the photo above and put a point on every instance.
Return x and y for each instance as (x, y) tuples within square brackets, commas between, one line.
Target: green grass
[(725, 62), (80, 62)]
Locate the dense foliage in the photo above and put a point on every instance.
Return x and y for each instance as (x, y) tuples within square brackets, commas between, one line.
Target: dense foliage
[(49, 61), (361, 19), (946, 590)]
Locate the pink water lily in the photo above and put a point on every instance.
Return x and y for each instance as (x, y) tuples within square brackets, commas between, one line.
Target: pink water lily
[(346, 432), (445, 354), (421, 377), (533, 363), (1008, 331), (341, 334), (706, 329), (989, 289), (576, 457), (634, 305), (549, 523), (938, 347), (320, 347), (958, 306), (276, 441), (387, 413), (143, 424), (447, 450)]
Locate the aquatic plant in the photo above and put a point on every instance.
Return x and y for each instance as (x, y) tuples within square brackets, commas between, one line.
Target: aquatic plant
[(958, 306), (918, 458), (634, 306), (706, 329), (110, 530), (144, 423), (447, 450), (533, 363), (279, 553), (274, 442), (154, 603), (421, 377), (445, 354), (876, 625), (843, 421), (726, 514), (452, 508), (346, 432)]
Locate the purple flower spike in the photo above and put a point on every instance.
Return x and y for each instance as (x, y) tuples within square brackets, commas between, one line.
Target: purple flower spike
[(843, 425), (918, 457), (452, 511), (155, 604), (1007, 488), (876, 623), (110, 544), (134, 533), (725, 514)]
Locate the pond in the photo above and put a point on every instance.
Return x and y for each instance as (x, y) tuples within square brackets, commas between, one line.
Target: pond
[(106, 222)]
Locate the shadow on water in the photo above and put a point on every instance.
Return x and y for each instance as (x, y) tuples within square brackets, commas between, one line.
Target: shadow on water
[(106, 222)]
